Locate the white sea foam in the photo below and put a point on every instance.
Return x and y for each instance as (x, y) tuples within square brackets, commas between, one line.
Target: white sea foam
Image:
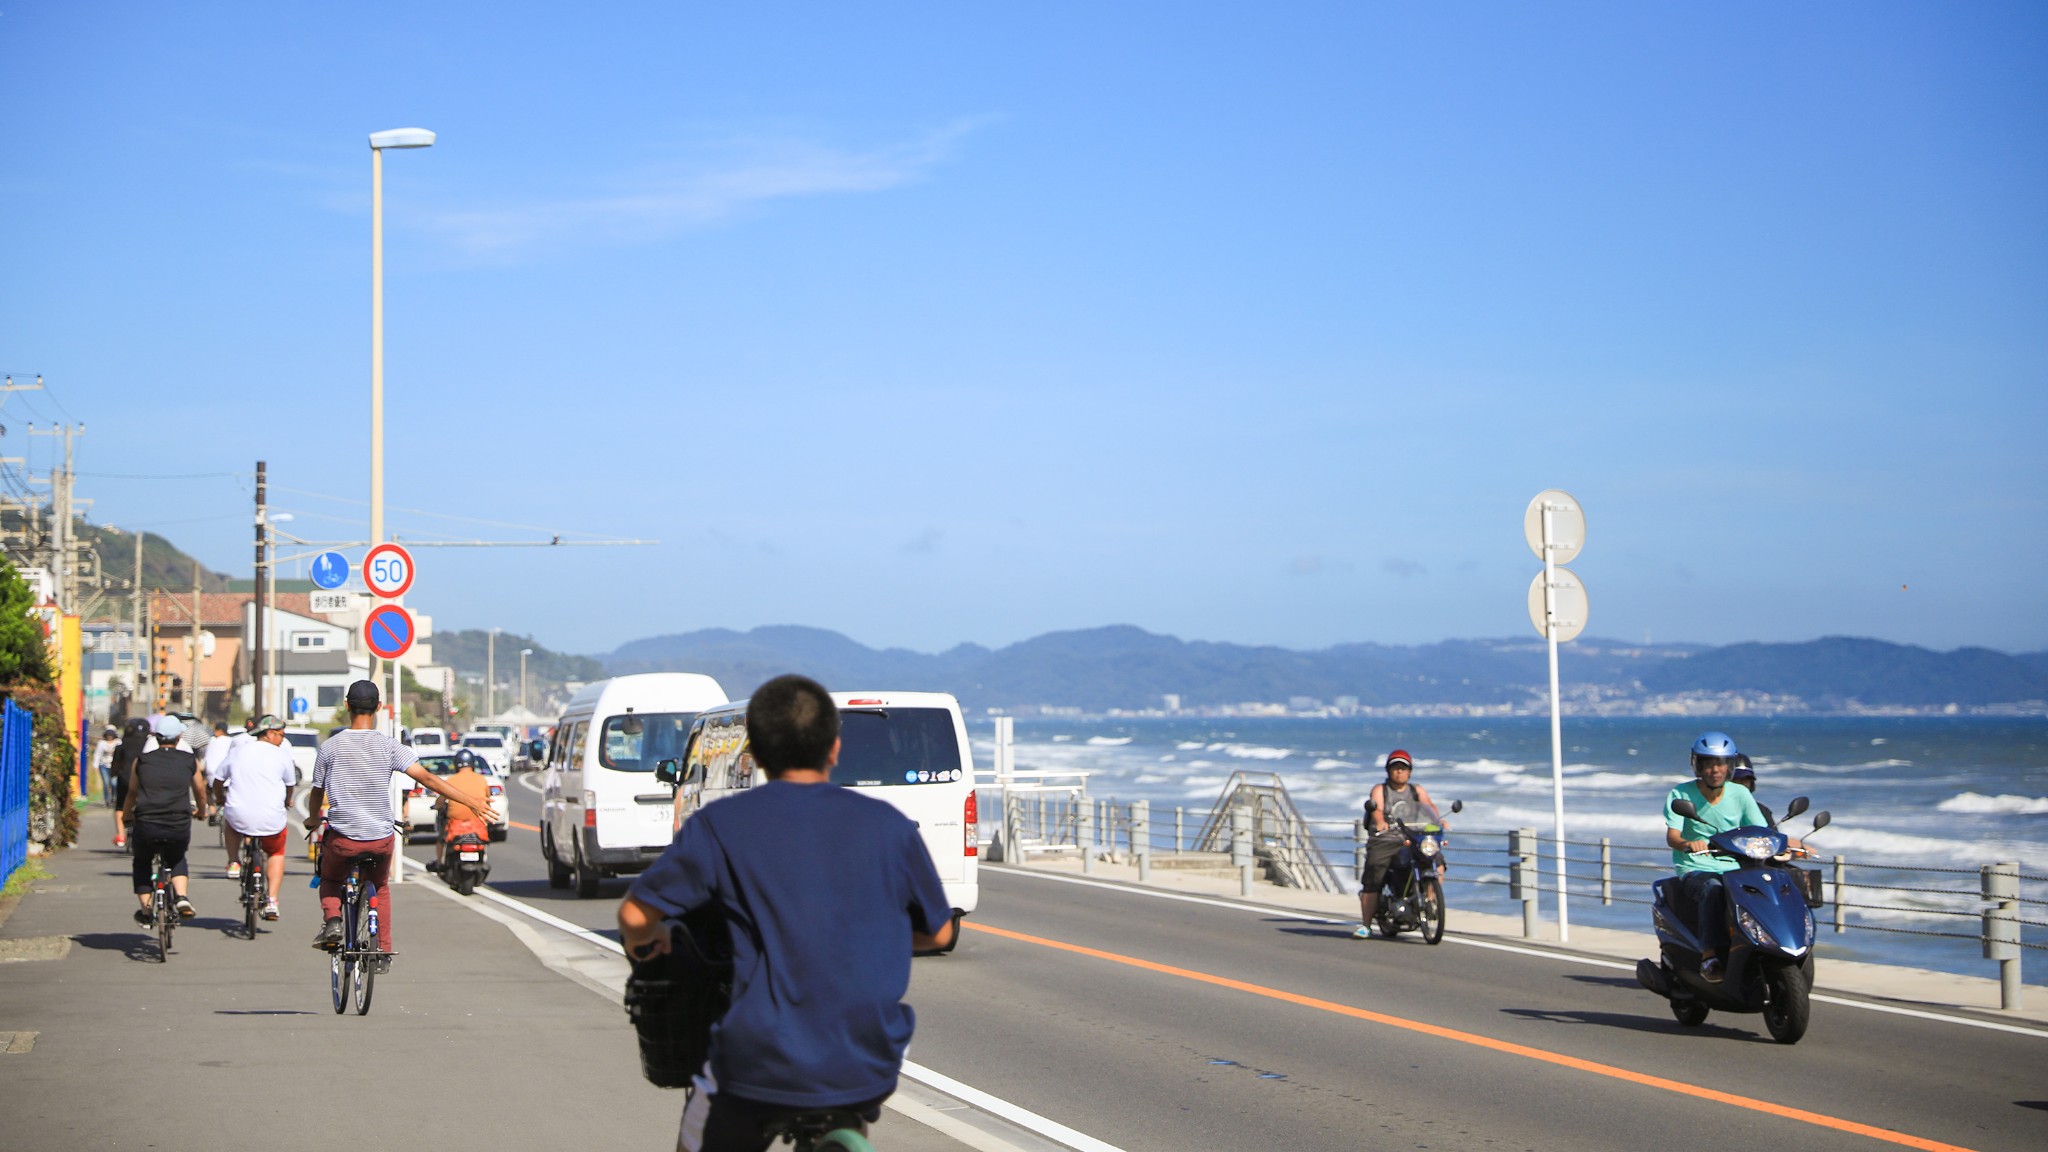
[(1974, 804), (1191, 745), (1879, 740), (1151, 778), (1108, 741), (1252, 751), (1061, 739), (1168, 758), (1327, 763)]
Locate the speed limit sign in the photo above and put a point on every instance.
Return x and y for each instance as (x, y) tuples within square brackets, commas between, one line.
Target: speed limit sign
[(388, 570)]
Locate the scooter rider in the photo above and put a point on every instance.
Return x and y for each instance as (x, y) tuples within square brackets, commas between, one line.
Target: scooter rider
[(1391, 802), (1719, 809), (454, 819)]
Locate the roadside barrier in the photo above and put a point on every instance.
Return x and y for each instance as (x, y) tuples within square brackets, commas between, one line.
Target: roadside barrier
[(14, 788), (1241, 843)]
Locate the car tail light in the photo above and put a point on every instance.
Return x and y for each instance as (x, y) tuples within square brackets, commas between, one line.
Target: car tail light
[(590, 809), (972, 818), (497, 791), (863, 703)]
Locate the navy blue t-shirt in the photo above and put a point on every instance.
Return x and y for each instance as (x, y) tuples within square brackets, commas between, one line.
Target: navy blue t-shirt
[(821, 887)]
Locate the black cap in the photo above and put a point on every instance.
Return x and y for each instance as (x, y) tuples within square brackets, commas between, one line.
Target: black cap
[(363, 696)]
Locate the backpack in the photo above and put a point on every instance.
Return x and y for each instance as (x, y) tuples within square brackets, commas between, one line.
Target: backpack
[(674, 1000)]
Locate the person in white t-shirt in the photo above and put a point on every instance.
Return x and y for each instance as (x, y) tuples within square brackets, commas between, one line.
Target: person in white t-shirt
[(258, 779)]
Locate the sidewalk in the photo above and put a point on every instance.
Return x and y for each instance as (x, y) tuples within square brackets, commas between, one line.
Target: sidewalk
[(233, 1044), (1916, 988)]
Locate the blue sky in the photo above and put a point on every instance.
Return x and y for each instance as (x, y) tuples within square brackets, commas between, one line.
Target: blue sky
[(942, 323)]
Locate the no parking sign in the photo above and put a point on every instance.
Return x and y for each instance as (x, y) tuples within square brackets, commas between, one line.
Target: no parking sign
[(388, 630)]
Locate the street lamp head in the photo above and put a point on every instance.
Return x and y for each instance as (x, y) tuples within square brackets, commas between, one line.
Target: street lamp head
[(526, 651), (402, 138)]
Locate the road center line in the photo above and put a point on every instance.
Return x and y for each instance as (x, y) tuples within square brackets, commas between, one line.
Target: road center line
[(1452, 937), (1539, 1054)]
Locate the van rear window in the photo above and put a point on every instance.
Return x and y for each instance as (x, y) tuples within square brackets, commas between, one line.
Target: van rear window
[(636, 742), (897, 746)]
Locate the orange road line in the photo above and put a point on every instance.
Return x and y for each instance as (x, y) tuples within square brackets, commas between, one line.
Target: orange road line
[(1544, 1055), (517, 824)]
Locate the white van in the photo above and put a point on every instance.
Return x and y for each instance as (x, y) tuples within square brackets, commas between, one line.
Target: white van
[(908, 748), (602, 811)]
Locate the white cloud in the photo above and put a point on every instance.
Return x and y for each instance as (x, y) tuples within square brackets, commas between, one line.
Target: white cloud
[(700, 195)]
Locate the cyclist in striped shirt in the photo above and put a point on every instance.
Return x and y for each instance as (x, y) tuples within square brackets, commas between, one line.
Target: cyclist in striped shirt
[(352, 775)]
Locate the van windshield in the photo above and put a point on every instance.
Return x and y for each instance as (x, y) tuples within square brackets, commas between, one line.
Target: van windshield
[(897, 746), (638, 741)]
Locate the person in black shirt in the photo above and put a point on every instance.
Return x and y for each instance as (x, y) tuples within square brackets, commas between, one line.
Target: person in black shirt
[(134, 742), (166, 790)]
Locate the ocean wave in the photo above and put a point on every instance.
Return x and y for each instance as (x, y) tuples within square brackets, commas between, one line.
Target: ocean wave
[(1252, 751), (1061, 739), (1975, 804), (1108, 741), (1327, 763), (1829, 769), (1151, 778), (1191, 745)]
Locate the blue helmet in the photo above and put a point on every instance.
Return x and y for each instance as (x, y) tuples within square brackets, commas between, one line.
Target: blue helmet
[(1713, 746)]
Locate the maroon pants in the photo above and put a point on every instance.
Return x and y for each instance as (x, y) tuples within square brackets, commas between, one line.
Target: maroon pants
[(338, 854)]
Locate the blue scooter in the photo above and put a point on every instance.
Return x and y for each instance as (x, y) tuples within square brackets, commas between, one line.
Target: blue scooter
[(1769, 965)]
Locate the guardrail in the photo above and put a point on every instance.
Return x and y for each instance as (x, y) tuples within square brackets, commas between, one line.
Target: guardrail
[(14, 788), (1859, 893)]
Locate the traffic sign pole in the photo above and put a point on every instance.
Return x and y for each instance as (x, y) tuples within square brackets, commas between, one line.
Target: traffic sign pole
[(1564, 929), (1555, 527)]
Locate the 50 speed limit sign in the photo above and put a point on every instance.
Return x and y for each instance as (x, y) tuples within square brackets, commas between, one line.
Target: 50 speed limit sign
[(387, 569)]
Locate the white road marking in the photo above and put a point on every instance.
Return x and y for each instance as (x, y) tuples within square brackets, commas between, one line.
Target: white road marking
[(1313, 918), (994, 1105), (531, 782)]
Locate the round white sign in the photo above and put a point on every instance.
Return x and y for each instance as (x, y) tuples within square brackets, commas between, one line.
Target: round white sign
[(1570, 596), (388, 570), (1567, 526)]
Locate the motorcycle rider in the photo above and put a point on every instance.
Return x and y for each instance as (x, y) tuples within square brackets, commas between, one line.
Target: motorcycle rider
[(457, 819), (1745, 774), (1719, 809), (1396, 799)]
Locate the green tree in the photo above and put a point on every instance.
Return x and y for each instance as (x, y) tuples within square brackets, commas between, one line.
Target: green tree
[(24, 654)]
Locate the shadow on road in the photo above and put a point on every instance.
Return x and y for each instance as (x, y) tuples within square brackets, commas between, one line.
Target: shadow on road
[(1327, 933), (134, 945), (1608, 981), (1665, 1027), (263, 1012), (2037, 1105)]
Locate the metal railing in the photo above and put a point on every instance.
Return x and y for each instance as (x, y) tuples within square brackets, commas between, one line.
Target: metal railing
[(14, 788)]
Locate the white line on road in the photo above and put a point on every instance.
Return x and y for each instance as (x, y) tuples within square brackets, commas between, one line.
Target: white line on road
[(531, 783), (1313, 918), (994, 1105)]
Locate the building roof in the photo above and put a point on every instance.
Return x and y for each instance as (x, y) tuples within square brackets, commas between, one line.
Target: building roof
[(218, 609)]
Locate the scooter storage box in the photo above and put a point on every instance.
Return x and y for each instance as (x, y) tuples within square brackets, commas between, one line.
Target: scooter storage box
[(674, 1000)]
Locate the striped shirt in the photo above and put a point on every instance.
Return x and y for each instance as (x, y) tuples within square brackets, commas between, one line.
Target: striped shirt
[(354, 768)]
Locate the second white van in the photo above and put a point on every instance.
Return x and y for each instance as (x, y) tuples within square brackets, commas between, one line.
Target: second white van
[(603, 813)]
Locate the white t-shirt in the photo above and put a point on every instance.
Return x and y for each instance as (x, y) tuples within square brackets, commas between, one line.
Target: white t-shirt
[(217, 769), (258, 775)]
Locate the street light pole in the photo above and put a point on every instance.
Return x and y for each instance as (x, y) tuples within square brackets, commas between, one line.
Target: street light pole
[(490, 671), (523, 654), (379, 141)]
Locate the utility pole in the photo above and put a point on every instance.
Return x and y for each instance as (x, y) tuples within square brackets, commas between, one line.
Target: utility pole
[(63, 572), (490, 671), (257, 653), (135, 636), (193, 698)]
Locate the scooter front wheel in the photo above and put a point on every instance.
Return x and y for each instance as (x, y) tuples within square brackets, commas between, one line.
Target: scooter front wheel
[(1431, 896), (1689, 1013), (1786, 1007)]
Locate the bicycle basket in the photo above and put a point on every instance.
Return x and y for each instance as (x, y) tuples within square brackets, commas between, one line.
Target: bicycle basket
[(674, 1000)]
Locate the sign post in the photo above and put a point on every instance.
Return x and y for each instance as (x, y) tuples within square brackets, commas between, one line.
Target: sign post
[(1555, 527)]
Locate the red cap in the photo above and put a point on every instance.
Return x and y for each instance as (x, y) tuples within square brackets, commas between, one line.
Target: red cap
[(1399, 756)]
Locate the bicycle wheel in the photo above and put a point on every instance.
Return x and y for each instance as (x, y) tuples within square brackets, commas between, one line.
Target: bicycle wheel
[(252, 878), (1432, 897), (844, 1140), (338, 979), (166, 920), (363, 980), (342, 970)]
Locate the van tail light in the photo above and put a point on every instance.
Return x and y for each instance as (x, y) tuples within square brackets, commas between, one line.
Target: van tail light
[(968, 821), (590, 809)]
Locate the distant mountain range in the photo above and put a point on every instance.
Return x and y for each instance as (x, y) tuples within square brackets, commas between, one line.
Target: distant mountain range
[(1123, 667)]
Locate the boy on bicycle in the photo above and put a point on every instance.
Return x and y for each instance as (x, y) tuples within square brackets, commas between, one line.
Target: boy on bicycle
[(166, 793), (352, 776), (827, 893), (258, 781)]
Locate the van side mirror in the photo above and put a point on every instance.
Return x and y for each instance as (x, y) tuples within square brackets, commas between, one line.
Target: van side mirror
[(665, 771), (1684, 808), (1797, 806)]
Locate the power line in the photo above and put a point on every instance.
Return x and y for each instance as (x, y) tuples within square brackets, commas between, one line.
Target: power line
[(444, 515)]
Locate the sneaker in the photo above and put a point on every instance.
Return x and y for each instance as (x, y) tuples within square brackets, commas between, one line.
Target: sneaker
[(329, 936), (143, 917), (234, 869), (1362, 932), (1710, 969), (185, 909), (435, 866), (270, 910)]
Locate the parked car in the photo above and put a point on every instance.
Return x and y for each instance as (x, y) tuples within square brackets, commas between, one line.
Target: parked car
[(305, 746), (430, 742)]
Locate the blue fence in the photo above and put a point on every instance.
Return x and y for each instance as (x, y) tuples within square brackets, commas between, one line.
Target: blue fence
[(14, 779)]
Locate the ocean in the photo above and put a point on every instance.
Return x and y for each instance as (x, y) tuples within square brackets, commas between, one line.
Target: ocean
[(1922, 793)]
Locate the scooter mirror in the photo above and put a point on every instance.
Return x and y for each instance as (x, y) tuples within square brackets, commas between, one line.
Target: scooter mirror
[(1820, 821), (1684, 808), (1797, 806), (1457, 805)]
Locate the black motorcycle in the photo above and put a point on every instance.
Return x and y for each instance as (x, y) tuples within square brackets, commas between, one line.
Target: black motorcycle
[(1412, 895)]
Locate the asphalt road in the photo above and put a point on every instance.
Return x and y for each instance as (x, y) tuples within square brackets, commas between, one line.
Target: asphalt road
[(1184, 1025)]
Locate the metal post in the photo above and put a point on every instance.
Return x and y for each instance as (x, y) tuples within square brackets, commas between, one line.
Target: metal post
[(1606, 870), (1358, 846), (1522, 875), (192, 698), (1556, 728), (1141, 838), (1841, 870), (2001, 886), (1084, 833), (1179, 815), (1241, 847), (257, 652)]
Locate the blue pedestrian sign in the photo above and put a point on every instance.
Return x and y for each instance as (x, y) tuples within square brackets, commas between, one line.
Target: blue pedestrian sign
[(330, 570)]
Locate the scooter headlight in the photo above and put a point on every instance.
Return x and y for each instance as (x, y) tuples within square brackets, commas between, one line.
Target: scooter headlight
[(1762, 846), (1427, 846), (1755, 930)]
